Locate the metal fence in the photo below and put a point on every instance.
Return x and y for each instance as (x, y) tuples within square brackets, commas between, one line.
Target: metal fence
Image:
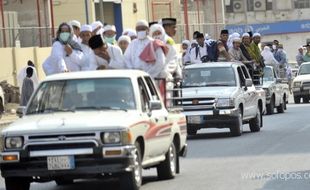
[(26, 37)]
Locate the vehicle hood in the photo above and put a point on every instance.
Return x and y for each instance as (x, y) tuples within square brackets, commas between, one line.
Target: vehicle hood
[(302, 78), (216, 92), (76, 121), (267, 84)]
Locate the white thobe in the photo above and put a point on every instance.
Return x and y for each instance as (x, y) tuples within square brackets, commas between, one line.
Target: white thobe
[(133, 61), (22, 74), (58, 61), (202, 52), (172, 64), (88, 58)]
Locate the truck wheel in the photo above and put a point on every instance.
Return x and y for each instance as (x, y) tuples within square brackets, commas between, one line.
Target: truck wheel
[(167, 168), (281, 107), (133, 180), (270, 107), (305, 99), (237, 128), (191, 130), (296, 99), (256, 123), (63, 181), (17, 183)]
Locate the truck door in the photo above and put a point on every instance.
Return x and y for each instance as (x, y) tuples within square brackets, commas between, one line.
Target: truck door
[(161, 133), (251, 91)]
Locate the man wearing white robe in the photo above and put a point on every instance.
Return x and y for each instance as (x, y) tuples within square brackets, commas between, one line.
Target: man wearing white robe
[(137, 46), (105, 54), (85, 35)]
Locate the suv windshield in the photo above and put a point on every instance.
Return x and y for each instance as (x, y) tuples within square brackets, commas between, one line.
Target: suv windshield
[(82, 94), (304, 69), (209, 76), (268, 74)]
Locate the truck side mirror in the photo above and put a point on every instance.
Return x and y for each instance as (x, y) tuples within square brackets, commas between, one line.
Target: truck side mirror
[(20, 111), (248, 82), (154, 105)]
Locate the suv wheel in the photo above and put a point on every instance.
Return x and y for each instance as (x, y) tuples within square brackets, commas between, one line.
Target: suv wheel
[(270, 107), (133, 180), (237, 128), (167, 169), (17, 183), (281, 107), (256, 123), (296, 99)]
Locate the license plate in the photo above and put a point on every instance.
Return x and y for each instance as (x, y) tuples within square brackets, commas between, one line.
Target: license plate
[(60, 163), (195, 119)]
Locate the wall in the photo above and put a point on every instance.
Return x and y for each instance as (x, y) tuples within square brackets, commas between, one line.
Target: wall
[(129, 17)]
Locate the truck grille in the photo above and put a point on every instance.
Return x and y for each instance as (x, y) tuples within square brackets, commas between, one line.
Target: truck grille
[(57, 136), (61, 146), (190, 104)]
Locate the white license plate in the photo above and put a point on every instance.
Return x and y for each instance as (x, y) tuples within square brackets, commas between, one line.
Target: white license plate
[(194, 119), (60, 163)]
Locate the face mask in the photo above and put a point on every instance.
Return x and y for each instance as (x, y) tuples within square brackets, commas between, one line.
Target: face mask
[(64, 36), (158, 37), (110, 40), (141, 35)]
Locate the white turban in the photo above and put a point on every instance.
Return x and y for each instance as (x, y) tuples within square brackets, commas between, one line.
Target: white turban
[(75, 23), (96, 24), (157, 27), (109, 27), (142, 23), (129, 32), (187, 42), (124, 38), (256, 34), (86, 28), (245, 35)]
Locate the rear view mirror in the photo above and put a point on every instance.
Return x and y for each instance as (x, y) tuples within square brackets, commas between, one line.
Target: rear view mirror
[(20, 111), (155, 105), (248, 82)]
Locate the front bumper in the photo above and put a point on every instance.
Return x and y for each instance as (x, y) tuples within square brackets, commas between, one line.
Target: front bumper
[(97, 163), (217, 118)]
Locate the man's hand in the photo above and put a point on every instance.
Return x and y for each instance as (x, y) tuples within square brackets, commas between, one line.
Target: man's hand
[(68, 49)]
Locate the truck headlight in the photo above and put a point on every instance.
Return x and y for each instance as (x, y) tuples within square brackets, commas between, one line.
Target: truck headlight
[(297, 84), (14, 142), (111, 137), (224, 102)]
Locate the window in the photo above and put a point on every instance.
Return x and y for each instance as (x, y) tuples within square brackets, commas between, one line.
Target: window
[(241, 77), (245, 72), (144, 95), (302, 4), (152, 88)]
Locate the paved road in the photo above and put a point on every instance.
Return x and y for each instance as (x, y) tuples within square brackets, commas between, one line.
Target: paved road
[(277, 158)]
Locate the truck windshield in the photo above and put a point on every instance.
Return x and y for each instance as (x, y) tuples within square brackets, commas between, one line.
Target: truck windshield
[(209, 76), (268, 74), (304, 69), (82, 94)]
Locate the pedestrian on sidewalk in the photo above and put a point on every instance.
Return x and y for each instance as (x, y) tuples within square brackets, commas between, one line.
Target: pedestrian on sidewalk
[(28, 87)]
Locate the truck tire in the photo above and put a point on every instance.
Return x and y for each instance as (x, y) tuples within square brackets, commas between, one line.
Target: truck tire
[(17, 183), (237, 129), (305, 99), (270, 107), (256, 123), (296, 99), (61, 182), (167, 169), (281, 107), (191, 130), (133, 180)]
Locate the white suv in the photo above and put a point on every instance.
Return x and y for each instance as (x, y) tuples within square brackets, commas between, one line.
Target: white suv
[(301, 84)]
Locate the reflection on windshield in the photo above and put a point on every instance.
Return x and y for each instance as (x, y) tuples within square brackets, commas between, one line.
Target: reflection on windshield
[(268, 74), (82, 94), (304, 69), (210, 76)]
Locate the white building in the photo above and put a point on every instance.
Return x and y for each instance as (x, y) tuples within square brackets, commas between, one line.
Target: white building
[(284, 20)]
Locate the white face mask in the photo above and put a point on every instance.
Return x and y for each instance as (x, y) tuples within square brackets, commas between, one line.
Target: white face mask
[(141, 35), (158, 37)]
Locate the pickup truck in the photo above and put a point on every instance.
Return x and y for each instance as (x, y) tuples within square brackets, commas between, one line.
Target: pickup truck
[(301, 84), (1, 102), (277, 91), (110, 123), (221, 95)]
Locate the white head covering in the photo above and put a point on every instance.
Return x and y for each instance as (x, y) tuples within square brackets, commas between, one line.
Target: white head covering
[(129, 32), (96, 24), (109, 27), (124, 38), (142, 23), (194, 42), (256, 34), (231, 38), (75, 23), (207, 36), (245, 35), (236, 39), (187, 42), (268, 56), (157, 27), (86, 28)]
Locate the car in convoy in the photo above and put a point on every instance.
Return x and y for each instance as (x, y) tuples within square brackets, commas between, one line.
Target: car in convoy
[(301, 84), (93, 124), (1, 102), (277, 90), (221, 95)]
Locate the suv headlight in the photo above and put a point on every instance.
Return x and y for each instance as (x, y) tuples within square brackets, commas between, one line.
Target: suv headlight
[(14, 142), (116, 137), (297, 84), (225, 102)]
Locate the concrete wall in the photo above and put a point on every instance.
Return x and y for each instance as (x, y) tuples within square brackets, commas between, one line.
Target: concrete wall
[(16, 58), (129, 17)]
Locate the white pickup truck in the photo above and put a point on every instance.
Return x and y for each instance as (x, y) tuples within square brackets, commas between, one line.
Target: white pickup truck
[(301, 84), (221, 95), (90, 125), (277, 91)]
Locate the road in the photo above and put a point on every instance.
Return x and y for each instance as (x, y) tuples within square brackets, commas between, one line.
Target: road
[(277, 158)]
